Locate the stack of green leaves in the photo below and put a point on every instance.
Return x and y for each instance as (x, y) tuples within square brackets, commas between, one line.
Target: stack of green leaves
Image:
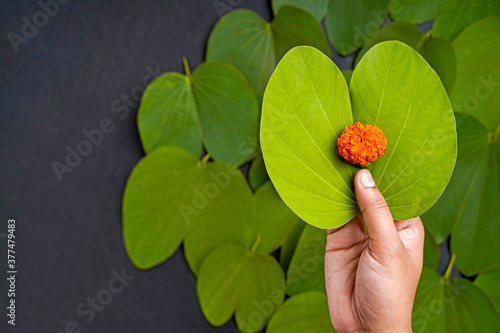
[(250, 249)]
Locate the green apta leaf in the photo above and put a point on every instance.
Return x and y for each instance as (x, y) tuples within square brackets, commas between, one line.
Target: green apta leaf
[(414, 11), (243, 39), (469, 204), (304, 313), (349, 23), (488, 282), (438, 52), (168, 116), (168, 191), (477, 90), (452, 305), (316, 7), (235, 280), (306, 271), (215, 100), (257, 174), (431, 251), (307, 106), (455, 15)]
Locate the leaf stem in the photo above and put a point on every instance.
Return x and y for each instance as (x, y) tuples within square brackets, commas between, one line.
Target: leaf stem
[(204, 160), (255, 244), (186, 66), (450, 266)]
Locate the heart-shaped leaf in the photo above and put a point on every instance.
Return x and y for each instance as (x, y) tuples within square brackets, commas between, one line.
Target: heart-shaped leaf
[(477, 90), (488, 282), (414, 11), (307, 106), (243, 39), (455, 15), (257, 174), (233, 279), (438, 52), (304, 313), (316, 7), (306, 271), (264, 217), (215, 100), (452, 305), (170, 190), (349, 23)]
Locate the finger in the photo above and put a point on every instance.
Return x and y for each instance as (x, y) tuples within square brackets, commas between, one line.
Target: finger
[(376, 213)]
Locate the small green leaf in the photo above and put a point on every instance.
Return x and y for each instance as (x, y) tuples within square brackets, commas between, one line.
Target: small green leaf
[(438, 52), (273, 220), (452, 305), (477, 88), (316, 7), (153, 219), (349, 23), (431, 251), (215, 99), (234, 280), (228, 112), (455, 15), (292, 27), (304, 313), (488, 282), (257, 174), (306, 271), (393, 88), (243, 39), (414, 11), (167, 115)]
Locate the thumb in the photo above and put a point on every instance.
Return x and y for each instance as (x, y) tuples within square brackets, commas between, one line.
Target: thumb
[(376, 213)]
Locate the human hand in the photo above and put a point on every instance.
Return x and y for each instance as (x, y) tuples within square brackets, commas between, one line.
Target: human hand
[(371, 279)]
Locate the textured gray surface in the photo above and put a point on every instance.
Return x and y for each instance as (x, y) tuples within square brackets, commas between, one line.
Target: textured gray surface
[(62, 81)]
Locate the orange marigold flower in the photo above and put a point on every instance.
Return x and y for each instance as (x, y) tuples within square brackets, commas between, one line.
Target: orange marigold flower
[(360, 144)]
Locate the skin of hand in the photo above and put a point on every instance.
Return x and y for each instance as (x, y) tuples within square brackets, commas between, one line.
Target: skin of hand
[(371, 278)]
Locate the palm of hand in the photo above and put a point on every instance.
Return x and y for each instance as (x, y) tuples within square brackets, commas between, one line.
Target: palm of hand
[(367, 278)]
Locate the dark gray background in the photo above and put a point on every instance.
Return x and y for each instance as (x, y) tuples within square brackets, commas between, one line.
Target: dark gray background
[(61, 82)]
